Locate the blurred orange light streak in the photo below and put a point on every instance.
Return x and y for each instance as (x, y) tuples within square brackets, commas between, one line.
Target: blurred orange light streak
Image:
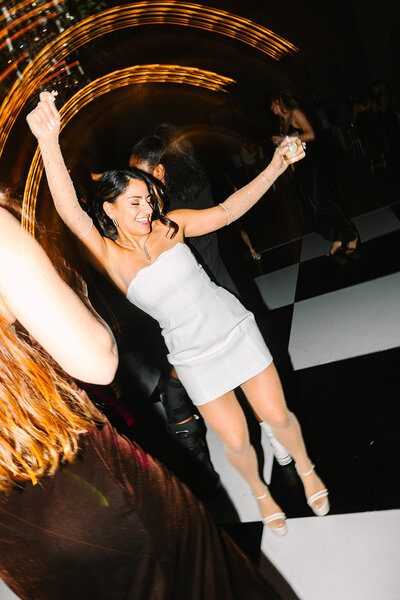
[(130, 76), (130, 15), (14, 10), (14, 65), (27, 28), (74, 64), (32, 13)]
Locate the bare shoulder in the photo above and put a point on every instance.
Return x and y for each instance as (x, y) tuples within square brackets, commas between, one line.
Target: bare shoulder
[(178, 214), (296, 112), (299, 119), (166, 230)]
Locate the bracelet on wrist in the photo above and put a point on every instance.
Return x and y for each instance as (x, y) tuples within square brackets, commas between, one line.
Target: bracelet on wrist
[(228, 214)]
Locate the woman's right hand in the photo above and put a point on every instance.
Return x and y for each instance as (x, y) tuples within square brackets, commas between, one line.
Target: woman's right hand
[(44, 120), (289, 151)]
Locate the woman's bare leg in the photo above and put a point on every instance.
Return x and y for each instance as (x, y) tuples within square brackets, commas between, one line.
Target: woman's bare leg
[(264, 393), (227, 419)]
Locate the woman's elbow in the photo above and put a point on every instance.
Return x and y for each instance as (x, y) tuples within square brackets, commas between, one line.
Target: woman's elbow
[(106, 374), (100, 371), (308, 136)]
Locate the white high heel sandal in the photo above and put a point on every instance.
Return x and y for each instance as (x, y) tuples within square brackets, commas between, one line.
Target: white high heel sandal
[(281, 530), (320, 511)]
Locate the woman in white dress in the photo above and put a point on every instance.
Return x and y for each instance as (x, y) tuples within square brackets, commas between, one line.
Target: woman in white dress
[(213, 341)]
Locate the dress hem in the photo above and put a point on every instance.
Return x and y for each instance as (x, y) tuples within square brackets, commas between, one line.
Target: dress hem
[(229, 388)]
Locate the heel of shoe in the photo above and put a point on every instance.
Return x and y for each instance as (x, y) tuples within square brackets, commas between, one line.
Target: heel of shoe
[(283, 460), (282, 455)]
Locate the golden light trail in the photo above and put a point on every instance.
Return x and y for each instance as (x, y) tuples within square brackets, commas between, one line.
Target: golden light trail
[(13, 66), (60, 71), (131, 15), (13, 11), (18, 34), (32, 13), (137, 74)]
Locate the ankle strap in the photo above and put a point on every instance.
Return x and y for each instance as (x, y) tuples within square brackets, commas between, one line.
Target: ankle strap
[(305, 474), (264, 495)]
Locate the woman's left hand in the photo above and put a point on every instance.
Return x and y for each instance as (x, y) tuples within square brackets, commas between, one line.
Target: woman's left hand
[(289, 151)]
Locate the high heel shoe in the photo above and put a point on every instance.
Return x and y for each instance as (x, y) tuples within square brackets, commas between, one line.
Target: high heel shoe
[(320, 511), (281, 529), (281, 454)]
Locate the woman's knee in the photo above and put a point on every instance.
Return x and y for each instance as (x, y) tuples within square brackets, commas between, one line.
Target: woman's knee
[(237, 444), (281, 419)]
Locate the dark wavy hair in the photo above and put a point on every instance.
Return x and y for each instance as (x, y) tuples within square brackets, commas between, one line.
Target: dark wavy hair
[(286, 101), (114, 183), (184, 175)]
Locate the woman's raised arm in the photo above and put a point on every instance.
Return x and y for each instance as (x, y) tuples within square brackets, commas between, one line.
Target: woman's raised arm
[(200, 222), (32, 292), (44, 122)]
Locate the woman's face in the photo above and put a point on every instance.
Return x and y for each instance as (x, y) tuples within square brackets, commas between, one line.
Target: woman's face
[(132, 209)]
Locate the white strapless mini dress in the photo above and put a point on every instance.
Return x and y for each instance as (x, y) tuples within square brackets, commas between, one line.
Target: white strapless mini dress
[(213, 341)]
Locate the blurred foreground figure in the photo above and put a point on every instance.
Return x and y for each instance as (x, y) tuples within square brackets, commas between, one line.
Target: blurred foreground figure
[(84, 513)]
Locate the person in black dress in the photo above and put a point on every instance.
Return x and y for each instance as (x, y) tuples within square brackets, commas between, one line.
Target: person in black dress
[(315, 193), (369, 127)]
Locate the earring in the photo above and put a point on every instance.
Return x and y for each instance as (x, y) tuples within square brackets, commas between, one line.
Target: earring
[(115, 222)]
